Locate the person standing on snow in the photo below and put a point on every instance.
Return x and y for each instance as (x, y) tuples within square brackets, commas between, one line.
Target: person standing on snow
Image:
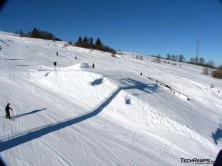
[(7, 108)]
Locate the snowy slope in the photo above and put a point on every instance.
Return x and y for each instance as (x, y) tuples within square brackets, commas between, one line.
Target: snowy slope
[(110, 115)]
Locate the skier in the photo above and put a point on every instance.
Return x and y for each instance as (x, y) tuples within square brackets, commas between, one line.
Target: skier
[(93, 65), (7, 108)]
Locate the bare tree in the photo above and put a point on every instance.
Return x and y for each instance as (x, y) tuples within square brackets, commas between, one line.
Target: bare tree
[(168, 56), (205, 71), (157, 59), (181, 58), (211, 63), (201, 61)]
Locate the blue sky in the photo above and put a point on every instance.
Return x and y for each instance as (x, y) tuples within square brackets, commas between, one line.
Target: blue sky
[(142, 26)]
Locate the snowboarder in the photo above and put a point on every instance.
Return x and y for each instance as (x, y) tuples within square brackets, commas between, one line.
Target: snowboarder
[(7, 108)]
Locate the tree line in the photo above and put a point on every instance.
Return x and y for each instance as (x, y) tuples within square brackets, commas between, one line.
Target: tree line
[(37, 33), (217, 73), (197, 61), (87, 42), (180, 58), (201, 62), (173, 57)]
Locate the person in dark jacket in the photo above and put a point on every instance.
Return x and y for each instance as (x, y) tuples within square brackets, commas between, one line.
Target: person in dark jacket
[(2, 162), (7, 108), (218, 161)]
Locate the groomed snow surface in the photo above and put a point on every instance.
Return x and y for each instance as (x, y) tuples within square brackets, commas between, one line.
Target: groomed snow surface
[(110, 115)]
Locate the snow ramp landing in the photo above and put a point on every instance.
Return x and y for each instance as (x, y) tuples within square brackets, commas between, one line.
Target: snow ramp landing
[(85, 88), (92, 90)]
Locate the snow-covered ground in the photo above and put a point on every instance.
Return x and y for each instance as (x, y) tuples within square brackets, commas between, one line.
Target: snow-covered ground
[(110, 115)]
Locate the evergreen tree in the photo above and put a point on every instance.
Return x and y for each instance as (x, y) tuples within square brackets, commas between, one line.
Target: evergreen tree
[(46, 35), (88, 43), (79, 42), (35, 33), (98, 44), (85, 43), (91, 42), (20, 33)]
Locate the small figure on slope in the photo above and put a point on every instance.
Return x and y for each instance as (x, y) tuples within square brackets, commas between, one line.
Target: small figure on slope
[(7, 108)]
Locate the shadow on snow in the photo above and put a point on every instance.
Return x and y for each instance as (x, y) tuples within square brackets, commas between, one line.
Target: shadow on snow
[(97, 82), (217, 135), (28, 113), (38, 132), (134, 84)]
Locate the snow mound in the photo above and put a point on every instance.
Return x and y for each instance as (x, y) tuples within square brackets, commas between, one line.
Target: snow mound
[(142, 116), (125, 109), (91, 88), (85, 65), (78, 66)]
